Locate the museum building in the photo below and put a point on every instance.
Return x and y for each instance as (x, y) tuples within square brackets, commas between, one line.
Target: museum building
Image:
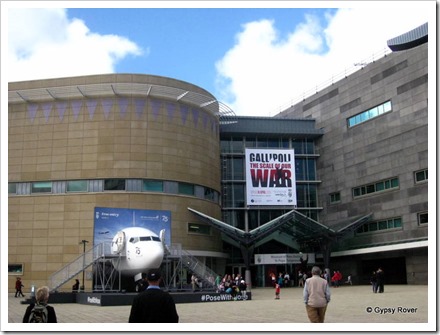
[(150, 143)]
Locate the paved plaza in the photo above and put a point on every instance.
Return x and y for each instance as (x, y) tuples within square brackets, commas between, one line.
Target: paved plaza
[(400, 307)]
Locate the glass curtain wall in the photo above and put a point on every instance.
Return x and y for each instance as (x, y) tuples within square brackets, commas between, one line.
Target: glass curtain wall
[(234, 182)]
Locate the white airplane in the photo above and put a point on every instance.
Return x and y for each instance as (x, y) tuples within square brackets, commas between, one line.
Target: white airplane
[(140, 249)]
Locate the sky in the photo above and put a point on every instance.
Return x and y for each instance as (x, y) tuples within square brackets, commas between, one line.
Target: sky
[(256, 60)]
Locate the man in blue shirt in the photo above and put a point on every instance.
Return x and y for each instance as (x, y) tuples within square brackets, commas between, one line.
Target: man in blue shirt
[(153, 304)]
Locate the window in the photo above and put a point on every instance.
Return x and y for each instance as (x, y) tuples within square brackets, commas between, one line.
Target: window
[(114, 184), (197, 228), (42, 187), (335, 197), (376, 187), (12, 188), (380, 225), (421, 176), (209, 194), (185, 188), (303, 147), (15, 269), (233, 168), (153, 186), (369, 114), (306, 195), (422, 218), (77, 186), (305, 169)]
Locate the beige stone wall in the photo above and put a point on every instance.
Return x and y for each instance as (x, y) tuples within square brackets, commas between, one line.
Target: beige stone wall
[(45, 229)]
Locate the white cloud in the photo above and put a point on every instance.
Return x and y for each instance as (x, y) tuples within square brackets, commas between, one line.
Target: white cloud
[(45, 43), (264, 72)]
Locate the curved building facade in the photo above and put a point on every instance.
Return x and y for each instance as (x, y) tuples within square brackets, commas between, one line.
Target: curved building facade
[(114, 141)]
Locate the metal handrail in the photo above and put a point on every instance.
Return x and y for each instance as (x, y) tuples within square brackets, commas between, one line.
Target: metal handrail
[(79, 264), (335, 78)]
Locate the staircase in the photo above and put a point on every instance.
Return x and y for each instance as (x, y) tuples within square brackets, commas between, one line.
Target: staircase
[(102, 252), (82, 262), (203, 273)]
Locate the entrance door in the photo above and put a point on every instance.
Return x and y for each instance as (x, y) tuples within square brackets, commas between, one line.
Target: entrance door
[(394, 269)]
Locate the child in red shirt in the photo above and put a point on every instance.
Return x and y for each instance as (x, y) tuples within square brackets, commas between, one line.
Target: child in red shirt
[(277, 291)]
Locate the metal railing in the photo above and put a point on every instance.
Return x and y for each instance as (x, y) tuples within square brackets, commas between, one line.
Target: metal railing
[(335, 78), (100, 252), (204, 274), (79, 264)]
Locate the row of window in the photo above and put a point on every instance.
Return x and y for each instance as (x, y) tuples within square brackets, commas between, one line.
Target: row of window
[(239, 144), (380, 225), (109, 185), (369, 114), (393, 223), (375, 187), (393, 183)]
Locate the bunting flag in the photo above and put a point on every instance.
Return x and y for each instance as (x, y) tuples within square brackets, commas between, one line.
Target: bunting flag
[(171, 108), (107, 105), (195, 113), (212, 125), (76, 107), (32, 111), (123, 104), (47, 107), (61, 108), (204, 120), (155, 106), (139, 107), (91, 106), (184, 109)]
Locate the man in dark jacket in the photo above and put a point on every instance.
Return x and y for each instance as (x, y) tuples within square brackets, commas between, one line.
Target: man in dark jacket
[(380, 280), (153, 304)]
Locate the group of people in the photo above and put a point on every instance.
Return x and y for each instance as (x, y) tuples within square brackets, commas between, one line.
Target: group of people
[(336, 278), (283, 279), (153, 304), (377, 281), (235, 285)]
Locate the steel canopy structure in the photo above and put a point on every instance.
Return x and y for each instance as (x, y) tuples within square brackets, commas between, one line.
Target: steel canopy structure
[(307, 232), (123, 89)]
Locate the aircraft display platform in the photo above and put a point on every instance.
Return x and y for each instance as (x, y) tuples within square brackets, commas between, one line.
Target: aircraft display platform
[(121, 299)]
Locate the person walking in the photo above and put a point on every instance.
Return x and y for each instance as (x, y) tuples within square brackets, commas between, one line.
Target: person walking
[(316, 296), (42, 311), (277, 291), (18, 286), (380, 280), (153, 305), (373, 281)]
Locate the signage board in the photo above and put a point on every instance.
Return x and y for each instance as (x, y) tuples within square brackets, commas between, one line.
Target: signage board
[(261, 259), (270, 177), (109, 221)]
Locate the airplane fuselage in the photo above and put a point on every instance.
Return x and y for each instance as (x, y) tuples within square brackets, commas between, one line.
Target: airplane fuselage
[(140, 249)]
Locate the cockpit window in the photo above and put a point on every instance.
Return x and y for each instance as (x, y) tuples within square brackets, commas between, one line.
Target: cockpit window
[(144, 238)]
